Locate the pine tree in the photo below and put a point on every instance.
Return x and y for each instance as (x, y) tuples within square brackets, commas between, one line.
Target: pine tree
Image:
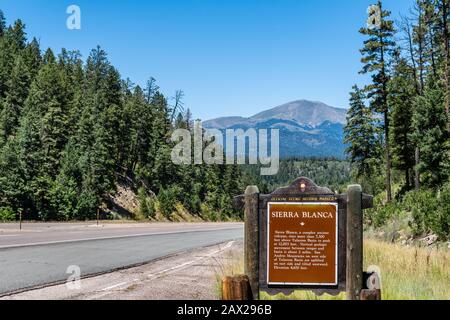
[(360, 134), (431, 135), (402, 94), (140, 115), (18, 84), (151, 90), (188, 118), (178, 106), (49, 57), (31, 156), (11, 45), (159, 169), (179, 122), (42, 135), (443, 8), (416, 30), (2, 23), (65, 190), (377, 49), (12, 179), (232, 187), (32, 58), (71, 69), (420, 33), (16, 36), (97, 128)]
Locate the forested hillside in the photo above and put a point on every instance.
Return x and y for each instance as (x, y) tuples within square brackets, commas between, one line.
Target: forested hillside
[(72, 130), (398, 124), (332, 173)]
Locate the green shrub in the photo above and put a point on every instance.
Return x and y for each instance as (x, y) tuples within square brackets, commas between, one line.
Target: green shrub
[(381, 213), (209, 214), (7, 214), (63, 199), (87, 206), (442, 226), (428, 212), (423, 206), (151, 211), (167, 199), (147, 204), (193, 203)]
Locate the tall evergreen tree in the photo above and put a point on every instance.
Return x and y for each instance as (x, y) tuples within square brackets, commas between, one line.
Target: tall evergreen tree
[(443, 9), (13, 193), (2, 23), (420, 33), (11, 44), (42, 135), (18, 84), (360, 134), (141, 120), (32, 58), (431, 135), (71, 68), (377, 49), (17, 35), (160, 169), (49, 57), (97, 128), (151, 89), (31, 157), (402, 94)]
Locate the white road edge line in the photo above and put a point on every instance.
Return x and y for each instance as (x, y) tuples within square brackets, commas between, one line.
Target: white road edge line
[(209, 255), (115, 286)]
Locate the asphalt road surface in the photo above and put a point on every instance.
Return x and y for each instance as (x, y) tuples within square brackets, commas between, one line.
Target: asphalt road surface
[(188, 275), (42, 253)]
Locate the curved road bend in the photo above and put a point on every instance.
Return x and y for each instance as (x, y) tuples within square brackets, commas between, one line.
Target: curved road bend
[(26, 261)]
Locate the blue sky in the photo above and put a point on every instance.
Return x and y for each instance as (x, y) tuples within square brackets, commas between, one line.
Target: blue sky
[(230, 57)]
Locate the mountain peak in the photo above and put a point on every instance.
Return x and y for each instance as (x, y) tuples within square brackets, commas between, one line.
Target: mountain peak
[(307, 128), (305, 112)]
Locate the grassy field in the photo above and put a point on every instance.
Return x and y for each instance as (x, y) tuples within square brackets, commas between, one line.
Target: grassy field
[(410, 273), (407, 273)]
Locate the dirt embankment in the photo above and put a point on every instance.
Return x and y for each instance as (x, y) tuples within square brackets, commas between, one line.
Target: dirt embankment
[(125, 204)]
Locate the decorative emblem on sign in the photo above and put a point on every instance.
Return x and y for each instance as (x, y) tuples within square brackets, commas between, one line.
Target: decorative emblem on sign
[(302, 187)]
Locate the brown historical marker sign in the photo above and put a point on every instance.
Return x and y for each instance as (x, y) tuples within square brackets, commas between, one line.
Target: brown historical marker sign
[(296, 239), (302, 244)]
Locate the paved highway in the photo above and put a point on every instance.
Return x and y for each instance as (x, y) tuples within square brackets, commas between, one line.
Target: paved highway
[(41, 254)]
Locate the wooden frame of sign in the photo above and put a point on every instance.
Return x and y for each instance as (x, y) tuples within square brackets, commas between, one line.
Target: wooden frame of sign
[(302, 240), (311, 240)]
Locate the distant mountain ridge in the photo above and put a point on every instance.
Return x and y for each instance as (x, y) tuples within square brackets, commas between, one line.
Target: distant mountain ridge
[(307, 128)]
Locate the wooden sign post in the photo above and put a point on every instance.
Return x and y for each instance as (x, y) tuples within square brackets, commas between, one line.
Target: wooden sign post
[(304, 237)]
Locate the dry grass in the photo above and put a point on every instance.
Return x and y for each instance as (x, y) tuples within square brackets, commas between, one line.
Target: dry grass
[(408, 273), (230, 264)]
